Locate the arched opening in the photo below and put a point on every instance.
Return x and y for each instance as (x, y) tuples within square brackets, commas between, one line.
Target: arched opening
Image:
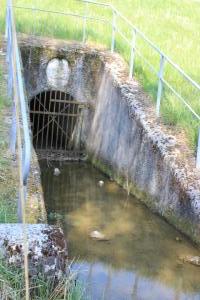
[(56, 123)]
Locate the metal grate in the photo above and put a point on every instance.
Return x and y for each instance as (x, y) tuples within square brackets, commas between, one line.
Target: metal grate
[(122, 28), (56, 122)]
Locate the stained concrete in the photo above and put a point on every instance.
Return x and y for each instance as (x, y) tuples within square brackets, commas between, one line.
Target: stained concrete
[(120, 131), (47, 250), (35, 207)]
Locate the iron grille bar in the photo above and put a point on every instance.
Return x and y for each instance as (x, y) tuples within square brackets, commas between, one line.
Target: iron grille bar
[(43, 120), (164, 59), (57, 122), (38, 112)]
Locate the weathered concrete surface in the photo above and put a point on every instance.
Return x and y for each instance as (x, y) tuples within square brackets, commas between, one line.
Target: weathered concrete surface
[(35, 208), (10, 180), (121, 132), (58, 73), (47, 250)]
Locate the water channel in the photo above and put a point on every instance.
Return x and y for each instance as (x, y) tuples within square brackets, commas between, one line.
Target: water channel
[(140, 260)]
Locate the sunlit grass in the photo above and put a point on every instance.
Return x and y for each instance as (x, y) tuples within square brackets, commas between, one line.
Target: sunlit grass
[(172, 25), (12, 285)]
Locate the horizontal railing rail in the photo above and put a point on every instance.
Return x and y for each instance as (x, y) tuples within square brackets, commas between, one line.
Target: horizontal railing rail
[(20, 133), (162, 81)]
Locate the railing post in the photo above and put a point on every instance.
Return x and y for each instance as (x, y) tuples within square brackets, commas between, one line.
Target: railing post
[(34, 20), (6, 29), (132, 58), (113, 31), (8, 36), (85, 22), (13, 132), (160, 84), (7, 17), (198, 150)]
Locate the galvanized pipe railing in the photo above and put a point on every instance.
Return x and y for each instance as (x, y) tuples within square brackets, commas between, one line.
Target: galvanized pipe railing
[(16, 91), (20, 136), (134, 51), (163, 60)]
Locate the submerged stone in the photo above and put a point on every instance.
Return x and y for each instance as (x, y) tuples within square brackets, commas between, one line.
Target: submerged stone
[(121, 133), (56, 172), (97, 235), (101, 183), (194, 260)]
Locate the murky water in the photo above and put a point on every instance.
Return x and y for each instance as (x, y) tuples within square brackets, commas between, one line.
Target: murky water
[(141, 258)]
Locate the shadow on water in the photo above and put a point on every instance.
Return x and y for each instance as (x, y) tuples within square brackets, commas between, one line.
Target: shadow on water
[(141, 258)]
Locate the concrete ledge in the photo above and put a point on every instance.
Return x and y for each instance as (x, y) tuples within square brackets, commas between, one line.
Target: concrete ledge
[(121, 132), (47, 250), (36, 211)]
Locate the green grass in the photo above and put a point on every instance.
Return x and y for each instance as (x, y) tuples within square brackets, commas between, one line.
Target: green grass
[(173, 25), (8, 205), (12, 286)]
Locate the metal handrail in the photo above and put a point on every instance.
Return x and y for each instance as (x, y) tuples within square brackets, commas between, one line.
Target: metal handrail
[(62, 13), (23, 154), (15, 72), (134, 50)]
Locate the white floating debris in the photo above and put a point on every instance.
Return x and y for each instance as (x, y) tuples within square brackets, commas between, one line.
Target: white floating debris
[(56, 172), (101, 183), (178, 239), (97, 235)]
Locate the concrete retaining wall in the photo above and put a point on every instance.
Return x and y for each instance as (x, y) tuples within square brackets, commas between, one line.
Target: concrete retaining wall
[(120, 130)]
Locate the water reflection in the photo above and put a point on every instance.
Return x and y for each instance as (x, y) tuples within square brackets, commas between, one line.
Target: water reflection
[(141, 258)]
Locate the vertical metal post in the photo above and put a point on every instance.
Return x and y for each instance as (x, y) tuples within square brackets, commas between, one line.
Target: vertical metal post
[(63, 109), (8, 37), (38, 120), (198, 150), (53, 120), (85, 22), (68, 111), (33, 121), (132, 58), (6, 28), (48, 121), (113, 31), (80, 115), (8, 21), (13, 132), (34, 21), (58, 121), (44, 119), (160, 84)]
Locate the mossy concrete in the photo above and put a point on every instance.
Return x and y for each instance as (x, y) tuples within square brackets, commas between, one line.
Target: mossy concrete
[(9, 179), (120, 130)]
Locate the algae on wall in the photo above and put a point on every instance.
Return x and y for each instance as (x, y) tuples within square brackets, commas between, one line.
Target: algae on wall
[(122, 132)]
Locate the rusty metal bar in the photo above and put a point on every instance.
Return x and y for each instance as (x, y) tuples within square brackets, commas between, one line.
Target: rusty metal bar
[(53, 113), (63, 119), (68, 101), (45, 98), (47, 136), (34, 115), (38, 120), (56, 115), (67, 123), (58, 122)]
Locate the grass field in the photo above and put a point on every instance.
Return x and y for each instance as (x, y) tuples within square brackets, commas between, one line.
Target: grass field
[(41, 288), (8, 207), (173, 25)]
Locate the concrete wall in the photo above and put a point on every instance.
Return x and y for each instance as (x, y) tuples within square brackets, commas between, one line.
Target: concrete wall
[(35, 205), (120, 132)]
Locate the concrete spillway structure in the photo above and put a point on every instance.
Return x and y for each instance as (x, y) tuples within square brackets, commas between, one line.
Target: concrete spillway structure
[(120, 132)]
